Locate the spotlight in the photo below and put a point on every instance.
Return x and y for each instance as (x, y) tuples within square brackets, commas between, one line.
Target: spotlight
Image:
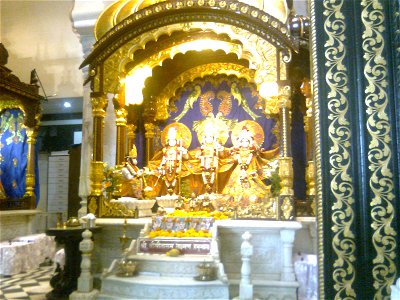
[(67, 104)]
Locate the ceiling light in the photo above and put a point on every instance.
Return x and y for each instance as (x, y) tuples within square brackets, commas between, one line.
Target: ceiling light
[(67, 104)]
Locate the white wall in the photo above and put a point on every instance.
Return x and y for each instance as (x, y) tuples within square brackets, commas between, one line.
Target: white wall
[(38, 35)]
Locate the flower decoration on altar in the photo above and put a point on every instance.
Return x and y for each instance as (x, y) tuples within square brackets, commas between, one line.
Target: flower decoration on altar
[(110, 180), (217, 215)]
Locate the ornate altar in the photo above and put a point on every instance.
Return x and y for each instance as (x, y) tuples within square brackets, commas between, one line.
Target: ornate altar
[(217, 73), (20, 114)]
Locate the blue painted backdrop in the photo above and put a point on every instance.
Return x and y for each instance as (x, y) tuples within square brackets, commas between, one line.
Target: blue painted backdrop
[(13, 154)]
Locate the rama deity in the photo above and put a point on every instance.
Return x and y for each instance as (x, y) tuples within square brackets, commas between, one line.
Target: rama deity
[(210, 149), (171, 163)]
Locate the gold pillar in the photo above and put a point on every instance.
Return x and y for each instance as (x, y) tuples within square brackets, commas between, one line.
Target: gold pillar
[(30, 168), (286, 199), (309, 131), (99, 104), (121, 121), (121, 115), (149, 135), (131, 135)]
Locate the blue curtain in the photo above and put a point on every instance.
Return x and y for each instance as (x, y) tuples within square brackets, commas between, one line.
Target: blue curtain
[(13, 154)]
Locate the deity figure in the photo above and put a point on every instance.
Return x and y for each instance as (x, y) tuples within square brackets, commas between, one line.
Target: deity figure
[(132, 176), (246, 180), (171, 163), (210, 149)]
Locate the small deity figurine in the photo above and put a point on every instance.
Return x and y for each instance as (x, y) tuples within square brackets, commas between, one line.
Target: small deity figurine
[(171, 163), (209, 157), (193, 202), (180, 203), (207, 204), (132, 176)]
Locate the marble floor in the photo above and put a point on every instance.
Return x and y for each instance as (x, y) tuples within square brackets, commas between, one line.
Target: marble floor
[(32, 285)]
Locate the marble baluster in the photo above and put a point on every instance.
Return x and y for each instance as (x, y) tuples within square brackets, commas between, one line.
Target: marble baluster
[(85, 281), (287, 238), (246, 250)]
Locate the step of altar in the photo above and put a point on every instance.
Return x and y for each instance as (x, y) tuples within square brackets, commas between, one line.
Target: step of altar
[(160, 287), (163, 265)]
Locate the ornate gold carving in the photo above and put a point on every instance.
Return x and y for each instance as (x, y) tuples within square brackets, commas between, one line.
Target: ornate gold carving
[(96, 176), (286, 175), (260, 53), (310, 178), (149, 130), (131, 130), (92, 205), (99, 104), (115, 209), (30, 167), (343, 242), (11, 103), (30, 185), (287, 208), (317, 153), (379, 154), (189, 75), (284, 96), (131, 136), (118, 186), (121, 115)]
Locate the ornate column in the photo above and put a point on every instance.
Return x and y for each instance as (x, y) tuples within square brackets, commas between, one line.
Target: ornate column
[(30, 168), (149, 135), (99, 104), (309, 131), (286, 199), (121, 152), (131, 135), (121, 121)]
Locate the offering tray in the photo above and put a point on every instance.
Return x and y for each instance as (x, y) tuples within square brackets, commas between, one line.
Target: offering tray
[(204, 278)]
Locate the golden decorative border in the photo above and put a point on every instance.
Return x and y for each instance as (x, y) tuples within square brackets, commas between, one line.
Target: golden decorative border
[(171, 89), (379, 154), (254, 49), (343, 242)]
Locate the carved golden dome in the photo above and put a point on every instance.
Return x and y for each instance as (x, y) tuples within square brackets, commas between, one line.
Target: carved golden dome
[(121, 9), (118, 11)]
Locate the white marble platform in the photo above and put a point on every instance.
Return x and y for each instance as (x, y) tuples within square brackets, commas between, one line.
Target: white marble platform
[(273, 274), (167, 288), (272, 269)]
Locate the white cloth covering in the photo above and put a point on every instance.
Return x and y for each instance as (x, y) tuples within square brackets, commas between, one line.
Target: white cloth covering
[(306, 269), (26, 253)]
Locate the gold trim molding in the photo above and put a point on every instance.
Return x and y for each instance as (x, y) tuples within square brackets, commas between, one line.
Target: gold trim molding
[(343, 242), (260, 53), (379, 151)]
